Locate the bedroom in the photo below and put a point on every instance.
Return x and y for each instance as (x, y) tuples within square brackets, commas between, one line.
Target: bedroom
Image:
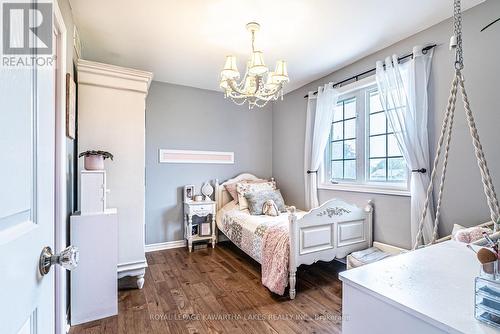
[(190, 209)]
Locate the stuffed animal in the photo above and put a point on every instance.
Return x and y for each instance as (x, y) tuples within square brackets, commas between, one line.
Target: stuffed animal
[(270, 208)]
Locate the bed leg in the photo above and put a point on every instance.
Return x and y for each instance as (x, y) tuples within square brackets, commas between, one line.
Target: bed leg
[(292, 281)]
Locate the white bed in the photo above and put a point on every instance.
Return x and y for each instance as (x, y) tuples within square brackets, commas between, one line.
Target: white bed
[(330, 231)]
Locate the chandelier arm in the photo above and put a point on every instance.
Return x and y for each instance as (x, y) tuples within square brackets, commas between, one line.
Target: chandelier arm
[(235, 88), (257, 84), (274, 92), (262, 96), (253, 40), (238, 96)]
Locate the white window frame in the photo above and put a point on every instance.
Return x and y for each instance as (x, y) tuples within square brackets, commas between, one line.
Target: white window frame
[(359, 90)]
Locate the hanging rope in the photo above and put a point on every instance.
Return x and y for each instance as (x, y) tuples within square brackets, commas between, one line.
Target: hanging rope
[(446, 131)]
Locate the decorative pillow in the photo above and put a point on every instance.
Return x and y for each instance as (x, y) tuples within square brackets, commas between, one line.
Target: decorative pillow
[(455, 229), (256, 201), (270, 208), (231, 187), (470, 234), (243, 188)]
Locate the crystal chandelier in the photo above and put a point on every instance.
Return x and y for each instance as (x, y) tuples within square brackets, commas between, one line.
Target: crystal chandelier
[(258, 86)]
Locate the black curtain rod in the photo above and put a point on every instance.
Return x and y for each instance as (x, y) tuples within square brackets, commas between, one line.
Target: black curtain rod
[(489, 25), (356, 77)]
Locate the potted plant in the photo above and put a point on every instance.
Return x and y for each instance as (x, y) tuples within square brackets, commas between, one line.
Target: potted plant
[(94, 160)]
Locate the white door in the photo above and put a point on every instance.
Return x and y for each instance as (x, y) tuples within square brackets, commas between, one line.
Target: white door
[(27, 132)]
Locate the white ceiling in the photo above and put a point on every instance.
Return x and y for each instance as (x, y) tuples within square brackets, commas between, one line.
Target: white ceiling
[(185, 41)]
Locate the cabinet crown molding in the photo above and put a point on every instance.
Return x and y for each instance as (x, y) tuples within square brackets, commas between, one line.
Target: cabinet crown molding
[(111, 76)]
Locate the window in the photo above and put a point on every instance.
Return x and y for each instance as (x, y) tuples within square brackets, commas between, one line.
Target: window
[(362, 149), (343, 141), (386, 163)]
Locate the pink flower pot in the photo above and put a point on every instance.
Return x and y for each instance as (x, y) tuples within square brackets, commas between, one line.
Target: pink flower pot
[(93, 162)]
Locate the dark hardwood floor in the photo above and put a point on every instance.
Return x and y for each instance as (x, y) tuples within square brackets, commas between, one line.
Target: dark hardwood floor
[(219, 291)]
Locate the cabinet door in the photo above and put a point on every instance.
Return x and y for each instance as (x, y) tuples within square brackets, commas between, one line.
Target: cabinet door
[(92, 193)]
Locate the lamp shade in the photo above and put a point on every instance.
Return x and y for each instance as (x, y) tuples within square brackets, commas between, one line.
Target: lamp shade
[(224, 84), (230, 70), (281, 73), (257, 65), (271, 83), (250, 86)]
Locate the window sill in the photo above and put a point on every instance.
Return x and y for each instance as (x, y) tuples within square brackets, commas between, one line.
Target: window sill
[(366, 188)]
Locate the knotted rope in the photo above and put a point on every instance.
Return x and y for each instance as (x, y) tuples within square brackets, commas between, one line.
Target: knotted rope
[(446, 131)]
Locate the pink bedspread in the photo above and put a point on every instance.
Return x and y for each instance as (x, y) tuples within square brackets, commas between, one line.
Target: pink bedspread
[(275, 255)]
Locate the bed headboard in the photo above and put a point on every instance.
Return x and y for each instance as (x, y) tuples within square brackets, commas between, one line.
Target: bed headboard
[(222, 196)]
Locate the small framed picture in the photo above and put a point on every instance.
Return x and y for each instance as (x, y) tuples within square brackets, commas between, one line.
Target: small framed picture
[(205, 229), (188, 193)]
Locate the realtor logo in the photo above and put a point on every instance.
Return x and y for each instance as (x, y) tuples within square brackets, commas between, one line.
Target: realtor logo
[(27, 28)]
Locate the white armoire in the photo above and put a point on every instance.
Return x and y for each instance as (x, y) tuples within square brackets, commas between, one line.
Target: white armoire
[(111, 117)]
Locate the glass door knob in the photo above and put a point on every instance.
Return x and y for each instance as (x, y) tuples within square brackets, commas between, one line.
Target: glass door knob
[(68, 259)]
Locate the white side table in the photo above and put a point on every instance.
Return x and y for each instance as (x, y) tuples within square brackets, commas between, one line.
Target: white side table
[(200, 209)]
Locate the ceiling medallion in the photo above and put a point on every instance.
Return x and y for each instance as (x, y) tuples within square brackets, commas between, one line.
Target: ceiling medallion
[(259, 85)]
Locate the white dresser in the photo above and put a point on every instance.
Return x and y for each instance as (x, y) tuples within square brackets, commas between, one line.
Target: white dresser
[(429, 291), (111, 117)]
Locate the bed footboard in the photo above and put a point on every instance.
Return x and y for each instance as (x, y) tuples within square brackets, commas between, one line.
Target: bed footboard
[(330, 231)]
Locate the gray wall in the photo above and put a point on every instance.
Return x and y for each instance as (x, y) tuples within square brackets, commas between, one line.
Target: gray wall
[(179, 117), (464, 200)]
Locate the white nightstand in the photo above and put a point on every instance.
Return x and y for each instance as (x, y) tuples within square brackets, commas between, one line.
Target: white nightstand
[(200, 209)]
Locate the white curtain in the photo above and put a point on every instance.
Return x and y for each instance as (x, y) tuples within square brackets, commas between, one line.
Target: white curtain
[(318, 124), (403, 94)]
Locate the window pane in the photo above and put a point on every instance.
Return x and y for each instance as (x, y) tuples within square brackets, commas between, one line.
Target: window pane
[(350, 149), (377, 123), (337, 148), (337, 112), (350, 169), (337, 131), (337, 169), (350, 108), (397, 169), (350, 129), (375, 102), (377, 170), (377, 146), (392, 146), (389, 127)]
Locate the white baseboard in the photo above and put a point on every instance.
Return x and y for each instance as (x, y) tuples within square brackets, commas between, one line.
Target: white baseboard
[(165, 245)]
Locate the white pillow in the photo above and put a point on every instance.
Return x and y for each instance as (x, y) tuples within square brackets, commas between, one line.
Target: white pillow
[(231, 187), (243, 188), (456, 228)]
